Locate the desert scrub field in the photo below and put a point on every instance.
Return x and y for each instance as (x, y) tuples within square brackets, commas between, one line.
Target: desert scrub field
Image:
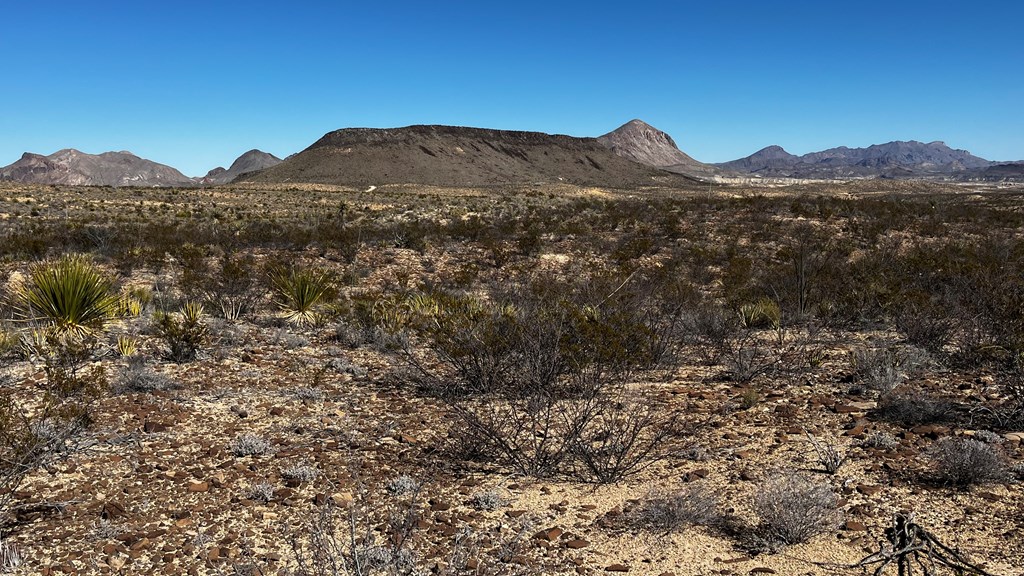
[(528, 380)]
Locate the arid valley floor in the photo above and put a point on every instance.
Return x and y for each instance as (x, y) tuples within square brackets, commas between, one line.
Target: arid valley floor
[(521, 380)]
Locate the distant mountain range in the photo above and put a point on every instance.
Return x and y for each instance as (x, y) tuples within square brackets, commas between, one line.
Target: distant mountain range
[(635, 154), (72, 167), (891, 160)]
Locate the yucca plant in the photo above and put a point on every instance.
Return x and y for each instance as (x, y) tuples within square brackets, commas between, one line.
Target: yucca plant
[(761, 314), (300, 292), (72, 295), (127, 346)]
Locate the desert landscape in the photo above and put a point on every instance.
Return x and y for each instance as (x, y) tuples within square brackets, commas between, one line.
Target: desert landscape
[(622, 370)]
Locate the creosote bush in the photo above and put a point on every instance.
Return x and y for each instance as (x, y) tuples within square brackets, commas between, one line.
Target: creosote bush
[(535, 379)]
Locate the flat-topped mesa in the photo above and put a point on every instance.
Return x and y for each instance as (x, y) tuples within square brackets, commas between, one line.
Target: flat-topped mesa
[(441, 155)]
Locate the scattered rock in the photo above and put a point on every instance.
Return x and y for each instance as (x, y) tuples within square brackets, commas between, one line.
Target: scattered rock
[(617, 568)]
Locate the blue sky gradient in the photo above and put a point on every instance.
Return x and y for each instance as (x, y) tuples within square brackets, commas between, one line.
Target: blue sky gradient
[(195, 84)]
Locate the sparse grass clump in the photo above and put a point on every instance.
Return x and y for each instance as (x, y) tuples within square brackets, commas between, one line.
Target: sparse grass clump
[(138, 376), (300, 473), (963, 462), (912, 407), (250, 445)]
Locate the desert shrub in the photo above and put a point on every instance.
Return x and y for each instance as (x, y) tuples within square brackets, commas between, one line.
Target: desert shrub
[(828, 454), (912, 407), (36, 432), (138, 376), (300, 473), (487, 500), (793, 508), (250, 445), (763, 313), (362, 541), (184, 333), (234, 287), (301, 292), (261, 492), (929, 327), (70, 295), (544, 362), (708, 329), (878, 369), (747, 356), (403, 485), (962, 462), (671, 510)]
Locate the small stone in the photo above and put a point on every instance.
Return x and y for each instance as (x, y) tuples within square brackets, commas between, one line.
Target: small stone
[(761, 570), (868, 490), (576, 544), (617, 568), (854, 526), (112, 510), (199, 487), (551, 534)]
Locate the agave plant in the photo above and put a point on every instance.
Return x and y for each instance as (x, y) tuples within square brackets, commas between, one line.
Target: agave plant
[(300, 292), (72, 295)]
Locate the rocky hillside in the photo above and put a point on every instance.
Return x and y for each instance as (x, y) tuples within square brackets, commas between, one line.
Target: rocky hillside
[(460, 156), (893, 159), (643, 143), (251, 161), (71, 167)]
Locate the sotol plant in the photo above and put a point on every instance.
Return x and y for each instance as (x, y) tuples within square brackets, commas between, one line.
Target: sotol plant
[(300, 292), (72, 295)]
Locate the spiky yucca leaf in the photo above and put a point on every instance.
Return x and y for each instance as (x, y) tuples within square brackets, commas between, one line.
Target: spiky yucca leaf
[(71, 294), (127, 346), (300, 292)]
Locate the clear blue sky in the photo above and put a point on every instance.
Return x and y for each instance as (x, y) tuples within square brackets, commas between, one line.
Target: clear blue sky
[(195, 84)]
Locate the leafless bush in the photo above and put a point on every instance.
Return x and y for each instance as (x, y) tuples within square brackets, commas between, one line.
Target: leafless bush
[(138, 376), (308, 393), (250, 445), (793, 508), (10, 558), (962, 462), (829, 454), (671, 510), (709, 330), (913, 407)]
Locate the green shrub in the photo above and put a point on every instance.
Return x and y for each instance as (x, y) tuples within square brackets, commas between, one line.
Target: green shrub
[(184, 332)]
